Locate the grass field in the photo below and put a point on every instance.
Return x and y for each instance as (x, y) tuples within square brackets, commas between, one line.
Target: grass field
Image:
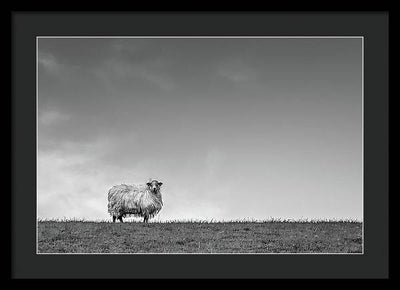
[(200, 237)]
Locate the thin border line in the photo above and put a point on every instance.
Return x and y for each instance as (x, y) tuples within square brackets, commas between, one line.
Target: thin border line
[(37, 142), (200, 36), (362, 140), (205, 37)]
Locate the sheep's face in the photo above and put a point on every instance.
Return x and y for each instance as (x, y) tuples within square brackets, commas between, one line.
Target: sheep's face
[(154, 186)]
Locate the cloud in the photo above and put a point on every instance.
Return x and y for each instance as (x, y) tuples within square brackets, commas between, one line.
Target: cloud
[(54, 66), (160, 80), (130, 46), (73, 182), (50, 117), (134, 61), (49, 62), (115, 73), (236, 71)]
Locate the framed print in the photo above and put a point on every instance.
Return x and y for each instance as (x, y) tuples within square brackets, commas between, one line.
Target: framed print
[(213, 145)]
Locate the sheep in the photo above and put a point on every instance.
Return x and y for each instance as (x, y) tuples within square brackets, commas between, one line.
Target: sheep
[(142, 200)]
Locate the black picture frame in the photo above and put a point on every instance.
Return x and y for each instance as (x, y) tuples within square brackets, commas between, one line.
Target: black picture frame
[(373, 26)]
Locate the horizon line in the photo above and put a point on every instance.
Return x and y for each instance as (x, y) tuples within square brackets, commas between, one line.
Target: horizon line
[(270, 220)]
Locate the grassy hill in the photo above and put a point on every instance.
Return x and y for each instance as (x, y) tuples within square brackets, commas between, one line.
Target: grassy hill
[(200, 237)]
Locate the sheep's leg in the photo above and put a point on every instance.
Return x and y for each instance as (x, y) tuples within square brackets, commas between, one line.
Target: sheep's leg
[(114, 218), (146, 219), (120, 219)]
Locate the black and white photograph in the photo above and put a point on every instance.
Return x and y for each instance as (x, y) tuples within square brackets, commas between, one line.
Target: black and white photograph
[(200, 144)]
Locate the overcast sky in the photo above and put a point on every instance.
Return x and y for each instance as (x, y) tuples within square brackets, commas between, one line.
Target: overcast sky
[(234, 128)]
